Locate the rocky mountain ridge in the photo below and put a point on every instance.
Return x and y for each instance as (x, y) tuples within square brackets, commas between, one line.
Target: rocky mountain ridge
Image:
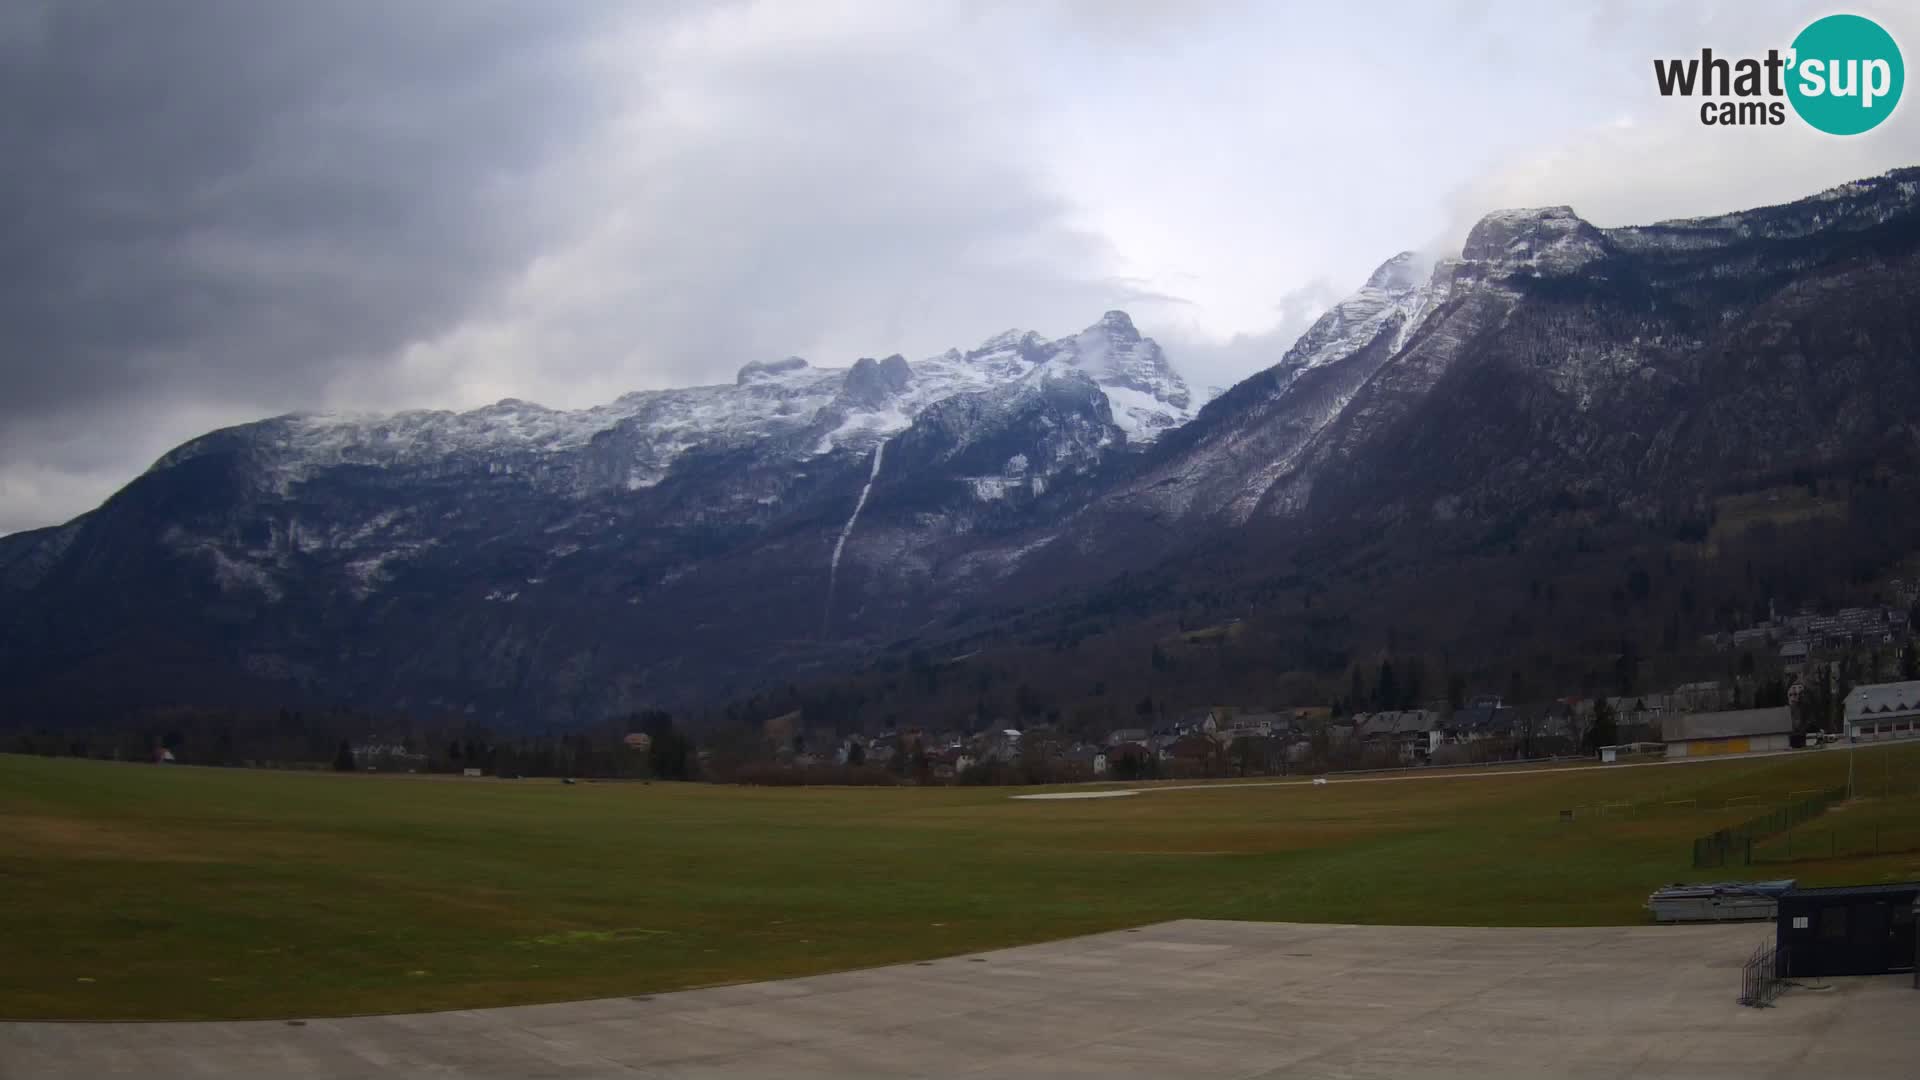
[(531, 566)]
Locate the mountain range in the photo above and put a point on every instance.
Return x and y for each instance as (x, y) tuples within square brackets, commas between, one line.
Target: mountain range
[(1551, 384)]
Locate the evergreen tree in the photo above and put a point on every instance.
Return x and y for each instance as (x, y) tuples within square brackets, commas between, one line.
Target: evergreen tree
[(669, 753), (1605, 730), (1386, 691), (1412, 682), (1626, 668)]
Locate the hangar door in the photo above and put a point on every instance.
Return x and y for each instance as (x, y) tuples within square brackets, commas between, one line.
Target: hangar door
[(1718, 746)]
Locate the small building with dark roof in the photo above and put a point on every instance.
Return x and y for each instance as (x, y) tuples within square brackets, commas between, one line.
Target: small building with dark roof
[(1739, 731), (1847, 930)]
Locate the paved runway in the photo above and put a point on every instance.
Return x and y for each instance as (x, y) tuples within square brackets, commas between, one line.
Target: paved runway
[(1189, 998)]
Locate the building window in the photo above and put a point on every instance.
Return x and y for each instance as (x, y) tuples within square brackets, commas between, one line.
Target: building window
[(1870, 924), (1833, 924)]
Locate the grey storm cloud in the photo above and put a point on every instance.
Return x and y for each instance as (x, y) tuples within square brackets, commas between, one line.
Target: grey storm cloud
[(219, 209), (223, 201), (193, 183)]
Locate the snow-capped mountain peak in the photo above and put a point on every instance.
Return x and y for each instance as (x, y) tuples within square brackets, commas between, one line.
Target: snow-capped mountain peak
[(1146, 395), (1120, 325), (1403, 288), (1403, 271), (1547, 239)]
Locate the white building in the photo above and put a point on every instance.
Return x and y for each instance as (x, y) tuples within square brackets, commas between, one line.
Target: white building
[(1883, 711)]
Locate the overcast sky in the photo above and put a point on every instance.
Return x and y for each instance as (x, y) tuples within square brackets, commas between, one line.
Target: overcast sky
[(216, 211)]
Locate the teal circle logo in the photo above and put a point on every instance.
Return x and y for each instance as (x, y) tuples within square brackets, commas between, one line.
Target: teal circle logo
[(1846, 76)]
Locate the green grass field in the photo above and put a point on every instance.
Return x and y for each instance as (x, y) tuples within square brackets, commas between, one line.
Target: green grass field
[(1869, 825), (134, 891)]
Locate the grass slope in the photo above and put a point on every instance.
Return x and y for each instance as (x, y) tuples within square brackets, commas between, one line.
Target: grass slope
[(131, 891)]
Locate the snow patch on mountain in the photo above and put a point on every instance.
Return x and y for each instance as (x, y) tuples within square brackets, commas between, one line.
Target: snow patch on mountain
[(795, 408), (840, 545), (229, 573), (994, 488)]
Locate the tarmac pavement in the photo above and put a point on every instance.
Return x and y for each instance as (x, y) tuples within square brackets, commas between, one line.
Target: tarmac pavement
[(1187, 998)]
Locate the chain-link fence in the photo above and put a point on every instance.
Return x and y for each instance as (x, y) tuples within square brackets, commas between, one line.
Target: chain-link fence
[(1734, 844)]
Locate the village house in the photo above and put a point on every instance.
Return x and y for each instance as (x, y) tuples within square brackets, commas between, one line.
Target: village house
[(1414, 733), (1092, 759), (1488, 717), (949, 762), (999, 745), (1638, 708), (1794, 655), (1560, 729), (1194, 749), (1699, 696), (852, 749), (1246, 725)]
